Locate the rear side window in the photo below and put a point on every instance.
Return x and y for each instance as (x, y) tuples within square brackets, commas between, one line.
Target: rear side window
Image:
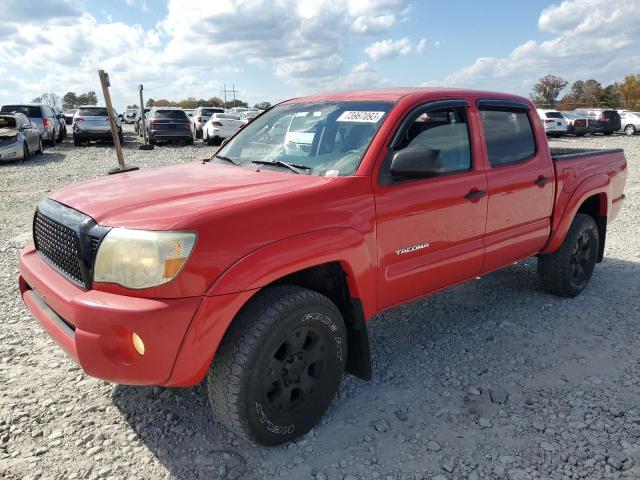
[(93, 112), (28, 110), (554, 115), (509, 136), (170, 114), (611, 113)]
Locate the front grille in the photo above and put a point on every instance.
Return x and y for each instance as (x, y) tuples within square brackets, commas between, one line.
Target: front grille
[(59, 245)]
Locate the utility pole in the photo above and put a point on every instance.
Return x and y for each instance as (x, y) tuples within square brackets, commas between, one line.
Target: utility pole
[(104, 82), (224, 92)]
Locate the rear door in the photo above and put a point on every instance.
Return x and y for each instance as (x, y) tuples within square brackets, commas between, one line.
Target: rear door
[(430, 230), (521, 184)]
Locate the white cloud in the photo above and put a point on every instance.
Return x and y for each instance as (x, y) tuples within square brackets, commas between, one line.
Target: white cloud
[(389, 48), (593, 39), (422, 44)]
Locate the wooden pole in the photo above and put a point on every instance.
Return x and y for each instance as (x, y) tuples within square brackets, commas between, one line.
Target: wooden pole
[(142, 123), (104, 82)]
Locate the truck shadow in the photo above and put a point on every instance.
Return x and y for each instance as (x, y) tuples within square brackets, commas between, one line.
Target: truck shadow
[(500, 331)]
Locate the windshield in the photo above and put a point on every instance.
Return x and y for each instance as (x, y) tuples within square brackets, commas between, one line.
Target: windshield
[(170, 114), (207, 112), (29, 110), (225, 115), (327, 139), (93, 112)]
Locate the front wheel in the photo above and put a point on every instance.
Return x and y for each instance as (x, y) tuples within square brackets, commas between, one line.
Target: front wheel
[(279, 365), (567, 271)]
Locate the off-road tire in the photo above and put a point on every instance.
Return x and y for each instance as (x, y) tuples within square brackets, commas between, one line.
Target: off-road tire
[(567, 271), (269, 353)]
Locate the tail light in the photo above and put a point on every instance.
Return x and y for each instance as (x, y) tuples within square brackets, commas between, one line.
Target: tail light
[(154, 122), (549, 121), (216, 124), (79, 119), (45, 122)]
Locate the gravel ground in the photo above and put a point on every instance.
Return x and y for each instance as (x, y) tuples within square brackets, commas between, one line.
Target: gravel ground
[(492, 379)]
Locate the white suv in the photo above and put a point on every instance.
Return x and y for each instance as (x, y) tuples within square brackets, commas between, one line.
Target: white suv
[(554, 123)]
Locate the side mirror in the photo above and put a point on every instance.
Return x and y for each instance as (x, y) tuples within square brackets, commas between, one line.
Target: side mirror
[(416, 163)]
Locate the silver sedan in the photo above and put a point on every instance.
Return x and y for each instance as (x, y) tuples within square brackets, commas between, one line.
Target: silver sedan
[(19, 138), (630, 122)]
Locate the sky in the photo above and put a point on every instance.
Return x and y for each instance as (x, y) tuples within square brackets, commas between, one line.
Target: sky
[(271, 50)]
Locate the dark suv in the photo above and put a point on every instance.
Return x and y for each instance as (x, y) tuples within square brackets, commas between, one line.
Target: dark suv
[(168, 124), (607, 121)]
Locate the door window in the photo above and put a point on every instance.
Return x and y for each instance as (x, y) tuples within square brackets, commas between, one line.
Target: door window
[(508, 135), (444, 131)]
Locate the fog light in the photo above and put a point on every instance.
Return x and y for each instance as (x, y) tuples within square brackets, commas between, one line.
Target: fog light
[(138, 344)]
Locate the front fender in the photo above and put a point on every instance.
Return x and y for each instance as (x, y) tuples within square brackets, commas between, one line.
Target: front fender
[(278, 259), (595, 185)]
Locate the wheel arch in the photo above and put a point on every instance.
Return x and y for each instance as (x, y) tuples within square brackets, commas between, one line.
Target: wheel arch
[(592, 197), (336, 262)]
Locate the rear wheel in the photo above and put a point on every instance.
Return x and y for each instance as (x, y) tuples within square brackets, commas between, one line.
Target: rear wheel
[(76, 141), (279, 365), (609, 132), (25, 152), (567, 271), (40, 147), (630, 130)]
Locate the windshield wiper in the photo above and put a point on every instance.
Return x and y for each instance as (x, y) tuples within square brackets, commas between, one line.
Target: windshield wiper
[(279, 163), (226, 159)]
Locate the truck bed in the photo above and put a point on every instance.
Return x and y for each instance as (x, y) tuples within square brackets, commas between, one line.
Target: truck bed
[(563, 153)]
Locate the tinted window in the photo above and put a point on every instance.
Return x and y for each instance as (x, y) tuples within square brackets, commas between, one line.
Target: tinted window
[(29, 111), (444, 131), (8, 122), (554, 115), (210, 111), (611, 113), (508, 135), (93, 111), (170, 114), (227, 116)]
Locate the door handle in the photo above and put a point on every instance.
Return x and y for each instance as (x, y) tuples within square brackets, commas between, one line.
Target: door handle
[(542, 181), (475, 194)]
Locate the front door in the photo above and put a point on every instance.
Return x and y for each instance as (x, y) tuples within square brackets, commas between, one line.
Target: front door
[(430, 229)]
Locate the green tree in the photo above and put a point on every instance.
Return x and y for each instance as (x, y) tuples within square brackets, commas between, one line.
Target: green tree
[(262, 105), (89, 98), (150, 103), (629, 91), (70, 100), (547, 90)]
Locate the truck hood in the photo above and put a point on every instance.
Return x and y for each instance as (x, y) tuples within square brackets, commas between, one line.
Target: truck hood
[(162, 198)]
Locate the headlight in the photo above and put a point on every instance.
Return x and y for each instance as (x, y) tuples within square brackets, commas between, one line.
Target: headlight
[(140, 258)]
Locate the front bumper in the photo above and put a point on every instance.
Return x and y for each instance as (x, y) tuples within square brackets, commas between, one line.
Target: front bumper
[(11, 152), (94, 328)]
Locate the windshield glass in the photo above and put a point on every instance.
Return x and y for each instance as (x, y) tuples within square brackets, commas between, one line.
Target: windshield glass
[(93, 111), (207, 112), (28, 110), (170, 114), (328, 138)]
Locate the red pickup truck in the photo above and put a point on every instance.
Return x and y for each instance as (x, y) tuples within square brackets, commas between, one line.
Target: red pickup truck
[(258, 268)]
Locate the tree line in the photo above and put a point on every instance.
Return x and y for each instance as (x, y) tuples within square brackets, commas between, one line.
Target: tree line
[(192, 102), (548, 93)]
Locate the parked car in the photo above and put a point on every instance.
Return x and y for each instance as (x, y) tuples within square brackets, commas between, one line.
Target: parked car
[(259, 274), (91, 123), (630, 122), (19, 138), (168, 124), (579, 125), (60, 118), (41, 115), (201, 116), (68, 115), (130, 116), (555, 125), (221, 126), (246, 117), (190, 113), (237, 110), (139, 121), (608, 121)]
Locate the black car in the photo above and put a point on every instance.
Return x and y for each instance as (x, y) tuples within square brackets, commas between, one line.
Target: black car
[(168, 124), (606, 121)]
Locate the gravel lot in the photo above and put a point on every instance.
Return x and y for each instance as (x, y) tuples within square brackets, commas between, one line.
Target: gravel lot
[(492, 379)]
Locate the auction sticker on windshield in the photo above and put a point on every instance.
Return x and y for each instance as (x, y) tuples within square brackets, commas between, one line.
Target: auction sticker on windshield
[(360, 116)]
